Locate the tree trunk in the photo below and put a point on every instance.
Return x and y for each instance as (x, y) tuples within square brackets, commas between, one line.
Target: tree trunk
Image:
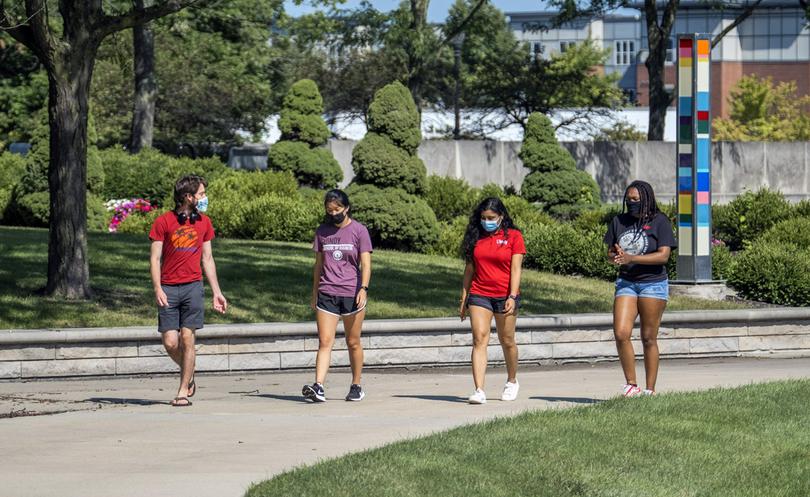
[(143, 113), (659, 97), (69, 89)]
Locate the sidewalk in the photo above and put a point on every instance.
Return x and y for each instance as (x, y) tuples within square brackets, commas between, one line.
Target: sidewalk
[(119, 438)]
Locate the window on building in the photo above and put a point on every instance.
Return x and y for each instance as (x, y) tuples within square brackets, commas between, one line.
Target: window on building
[(537, 50), (625, 53), (565, 45)]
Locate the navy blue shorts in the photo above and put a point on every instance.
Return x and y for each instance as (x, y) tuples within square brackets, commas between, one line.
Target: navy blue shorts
[(338, 306), (494, 304)]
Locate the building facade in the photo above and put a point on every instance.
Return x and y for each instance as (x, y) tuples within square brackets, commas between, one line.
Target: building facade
[(774, 41)]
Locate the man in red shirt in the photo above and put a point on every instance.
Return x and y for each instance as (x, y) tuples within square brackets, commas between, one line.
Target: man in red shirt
[(181, 240)]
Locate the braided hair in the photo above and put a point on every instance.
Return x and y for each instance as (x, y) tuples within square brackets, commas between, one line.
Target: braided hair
[(649, 207), (474, 230)]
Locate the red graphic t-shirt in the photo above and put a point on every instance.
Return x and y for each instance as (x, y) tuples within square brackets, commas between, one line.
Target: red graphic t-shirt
[(493, 263), (182, 247)]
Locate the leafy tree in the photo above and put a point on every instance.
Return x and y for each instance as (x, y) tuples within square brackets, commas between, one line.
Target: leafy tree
[(659, 18), (762, 110), (303, 135), (23, 90), (66, 42)]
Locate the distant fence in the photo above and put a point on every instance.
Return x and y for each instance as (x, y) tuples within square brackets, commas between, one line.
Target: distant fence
[(735, 165)]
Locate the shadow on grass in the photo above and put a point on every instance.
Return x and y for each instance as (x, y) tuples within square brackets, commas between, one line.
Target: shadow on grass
[(572, 400), (437, 398), (126, 401)]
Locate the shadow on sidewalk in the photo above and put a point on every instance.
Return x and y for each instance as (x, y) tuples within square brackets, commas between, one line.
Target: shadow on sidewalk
[(442, 398), (289, 398), (126, 402), (573, 400)]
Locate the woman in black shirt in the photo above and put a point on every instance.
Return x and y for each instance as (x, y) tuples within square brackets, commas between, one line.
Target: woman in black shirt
[(639, 241)]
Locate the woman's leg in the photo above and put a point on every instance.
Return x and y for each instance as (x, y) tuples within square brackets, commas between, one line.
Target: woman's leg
[(353, 325), (481, 322), (506, 335), (651, 311), (625, 310), (327, 326)]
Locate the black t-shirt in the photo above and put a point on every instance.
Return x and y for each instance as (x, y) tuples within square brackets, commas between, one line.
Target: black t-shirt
[(637, 239)]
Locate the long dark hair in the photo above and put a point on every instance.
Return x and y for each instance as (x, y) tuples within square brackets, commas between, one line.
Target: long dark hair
[(649, 207), (474, 229)]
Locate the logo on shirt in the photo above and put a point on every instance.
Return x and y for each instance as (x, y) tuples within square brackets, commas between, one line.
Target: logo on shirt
[(184, 239), (502, 242), (337, 255), (634, 242)]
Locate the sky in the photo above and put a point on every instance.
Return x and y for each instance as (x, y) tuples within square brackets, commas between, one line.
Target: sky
[(436, 13)]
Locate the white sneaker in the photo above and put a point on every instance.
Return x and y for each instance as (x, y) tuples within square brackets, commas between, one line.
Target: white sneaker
[(510, 391), (631, 390), (478, 397), (647, 391)]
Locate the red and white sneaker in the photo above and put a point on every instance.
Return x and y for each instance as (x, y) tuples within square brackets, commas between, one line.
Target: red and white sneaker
[(631, 390)]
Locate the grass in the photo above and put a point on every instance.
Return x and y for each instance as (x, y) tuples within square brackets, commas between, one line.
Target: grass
[(264, 282), (751, 441)]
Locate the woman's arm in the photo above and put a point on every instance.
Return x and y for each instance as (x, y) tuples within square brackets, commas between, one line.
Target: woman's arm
[(660, 256), (365, 278), (514, 282), (469, 272), (316, 279)]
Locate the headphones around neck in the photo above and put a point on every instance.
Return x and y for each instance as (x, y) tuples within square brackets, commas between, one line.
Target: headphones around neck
[(192, 218)]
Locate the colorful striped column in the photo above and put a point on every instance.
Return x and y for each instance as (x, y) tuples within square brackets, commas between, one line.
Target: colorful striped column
[(694, 159)]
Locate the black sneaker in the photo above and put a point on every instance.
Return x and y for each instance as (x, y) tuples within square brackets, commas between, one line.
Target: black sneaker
[(356, 393), (314, 392)]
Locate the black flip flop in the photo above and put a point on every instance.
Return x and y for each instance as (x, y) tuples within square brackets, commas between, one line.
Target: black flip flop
[(191, 385), (175, 404)]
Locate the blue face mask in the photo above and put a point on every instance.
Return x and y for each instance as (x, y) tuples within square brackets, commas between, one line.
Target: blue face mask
[(490, 226), (202, 204)]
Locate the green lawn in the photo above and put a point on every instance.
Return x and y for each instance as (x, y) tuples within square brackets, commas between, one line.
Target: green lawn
[(263, 281), (752, 441)]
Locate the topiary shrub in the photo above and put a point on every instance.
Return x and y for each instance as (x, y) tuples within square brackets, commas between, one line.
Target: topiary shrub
[(789, 232), (395, 219), (303, 134), (778, 274), (749, 215), (523, 213), (393, 113), (386, 156), (555, 182)]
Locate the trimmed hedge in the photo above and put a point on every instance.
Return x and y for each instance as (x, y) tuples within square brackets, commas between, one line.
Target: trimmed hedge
[(779, 274), (395, 219), (449, 197), (741, 221), (378, 161), (393, 113), (560, 248)]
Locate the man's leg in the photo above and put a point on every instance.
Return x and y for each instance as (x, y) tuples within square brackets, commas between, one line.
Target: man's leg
[(188, 358), (171, 342)]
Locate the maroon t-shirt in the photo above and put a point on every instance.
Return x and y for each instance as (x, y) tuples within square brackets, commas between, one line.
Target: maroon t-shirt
[(182, 247), (341, 249)]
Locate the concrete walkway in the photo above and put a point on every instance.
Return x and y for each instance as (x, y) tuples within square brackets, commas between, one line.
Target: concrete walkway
[(118, 437)]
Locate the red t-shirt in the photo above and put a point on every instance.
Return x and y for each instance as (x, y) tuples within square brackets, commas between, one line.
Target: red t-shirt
[(493, 263), (182, 247)]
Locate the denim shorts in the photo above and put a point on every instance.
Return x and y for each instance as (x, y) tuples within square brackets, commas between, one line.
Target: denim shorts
[(650, 289)]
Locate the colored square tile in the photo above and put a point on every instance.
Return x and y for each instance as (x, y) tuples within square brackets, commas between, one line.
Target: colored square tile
[(703, 214), (703, 182), (684, 219), (685, 160), (685, 61), (704, 241), (685, 240), (702, 154), (685, 106), (703, 127), (684, 172), (685, 43), (703, 198), (684, 203), (685, 184), (703, 100), (703, 47)]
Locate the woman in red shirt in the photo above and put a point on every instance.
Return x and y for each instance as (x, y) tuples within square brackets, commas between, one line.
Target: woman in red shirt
[(493, 248)]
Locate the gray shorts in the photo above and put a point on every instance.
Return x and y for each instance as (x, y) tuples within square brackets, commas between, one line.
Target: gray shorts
[(185, 309)]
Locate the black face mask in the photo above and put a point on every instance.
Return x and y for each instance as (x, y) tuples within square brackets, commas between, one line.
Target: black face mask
[(634, 208), (336, 218)]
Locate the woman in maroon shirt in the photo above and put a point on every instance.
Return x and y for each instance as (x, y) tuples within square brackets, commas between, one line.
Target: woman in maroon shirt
[(493, 248)]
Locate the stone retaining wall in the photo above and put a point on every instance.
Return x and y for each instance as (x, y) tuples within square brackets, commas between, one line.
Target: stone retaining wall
[(275, 346)]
